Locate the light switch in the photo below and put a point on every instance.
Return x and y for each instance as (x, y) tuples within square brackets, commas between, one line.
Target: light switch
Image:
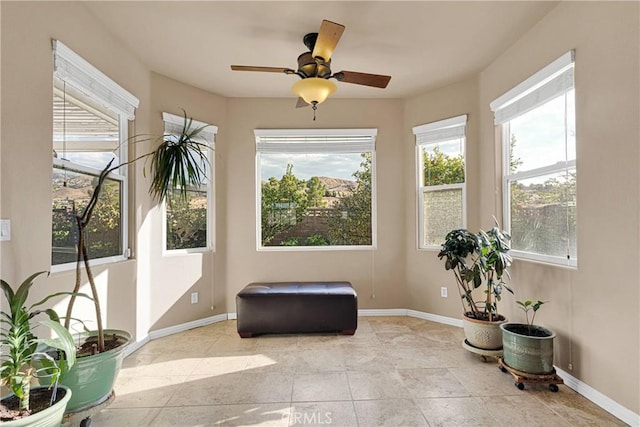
[(5, 229)]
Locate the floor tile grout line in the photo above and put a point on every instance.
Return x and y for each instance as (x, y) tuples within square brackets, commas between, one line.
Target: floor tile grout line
[(453, 366)]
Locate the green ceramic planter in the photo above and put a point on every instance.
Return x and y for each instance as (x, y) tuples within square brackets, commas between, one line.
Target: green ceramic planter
[(532, 354), (92, 377), (50, 417)]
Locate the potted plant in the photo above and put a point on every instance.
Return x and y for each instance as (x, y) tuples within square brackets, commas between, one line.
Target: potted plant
[(42, 406), (528, 347), (178, 162), (479, 260)]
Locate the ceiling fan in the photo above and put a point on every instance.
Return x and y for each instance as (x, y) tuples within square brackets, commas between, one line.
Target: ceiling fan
[(314, 68)]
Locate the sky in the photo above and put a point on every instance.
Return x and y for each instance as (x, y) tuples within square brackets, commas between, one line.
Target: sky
[(538, 145), (305, 166)]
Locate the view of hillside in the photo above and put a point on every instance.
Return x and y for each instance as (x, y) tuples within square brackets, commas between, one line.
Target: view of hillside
[(319, 211)]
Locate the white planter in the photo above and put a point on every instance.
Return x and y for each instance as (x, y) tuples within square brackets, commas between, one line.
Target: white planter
[(483, 334)]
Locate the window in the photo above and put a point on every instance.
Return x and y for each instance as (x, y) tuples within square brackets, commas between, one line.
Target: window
[(440, 153), (539, 164), (189, 223), (315, 188), (90, 120)]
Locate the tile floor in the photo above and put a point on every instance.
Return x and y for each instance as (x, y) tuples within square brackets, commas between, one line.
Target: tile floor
[(395, 371)]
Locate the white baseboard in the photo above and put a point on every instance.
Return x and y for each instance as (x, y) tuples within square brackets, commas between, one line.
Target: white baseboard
[(435, 318), (603, 401), (186, 326), (135, 346), (382, 312)]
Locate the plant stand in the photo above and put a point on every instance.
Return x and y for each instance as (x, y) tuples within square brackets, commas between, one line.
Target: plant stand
[(522, 378), (82, 417), (484, 353)]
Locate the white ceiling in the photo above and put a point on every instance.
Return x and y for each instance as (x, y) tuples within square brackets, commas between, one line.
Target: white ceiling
[(421, 44)]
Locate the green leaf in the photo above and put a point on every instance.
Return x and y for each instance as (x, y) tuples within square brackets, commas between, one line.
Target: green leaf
[(22, 293), (7, 290), (63, 342), (537, 305), (79, 294)]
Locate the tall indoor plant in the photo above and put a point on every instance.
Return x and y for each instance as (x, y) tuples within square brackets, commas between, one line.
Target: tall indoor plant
[(43, 406), (479, 260), (178, 161)]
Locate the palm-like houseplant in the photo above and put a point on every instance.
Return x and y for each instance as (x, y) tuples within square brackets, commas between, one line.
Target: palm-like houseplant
[(178, 162), (20, 351), (479, 260)]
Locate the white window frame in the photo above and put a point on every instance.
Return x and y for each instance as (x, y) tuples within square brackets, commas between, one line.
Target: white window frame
[(300, 141), (434, 133), (174, 124), (74, 73), (550, 82)]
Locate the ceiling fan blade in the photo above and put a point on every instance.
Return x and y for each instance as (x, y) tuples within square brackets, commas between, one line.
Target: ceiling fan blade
[(375, 80), (301, 103), (328, 38), (263, 69)]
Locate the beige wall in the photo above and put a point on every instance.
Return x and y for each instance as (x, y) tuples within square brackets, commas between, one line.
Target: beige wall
[(27, 128), (150, 291), (594, 308), (377, 275), (424, 271), (174, 277)]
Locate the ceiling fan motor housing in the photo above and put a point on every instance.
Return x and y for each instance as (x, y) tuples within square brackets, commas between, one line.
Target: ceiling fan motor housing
[(308, 66), (309, 41)]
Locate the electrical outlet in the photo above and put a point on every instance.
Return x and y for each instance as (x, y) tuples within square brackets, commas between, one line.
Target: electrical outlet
[(194, 298), (5, 229), (570, 366), (443, 292)]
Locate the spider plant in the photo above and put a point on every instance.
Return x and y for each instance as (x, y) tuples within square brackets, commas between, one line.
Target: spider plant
[(20, 344), (178, 162)]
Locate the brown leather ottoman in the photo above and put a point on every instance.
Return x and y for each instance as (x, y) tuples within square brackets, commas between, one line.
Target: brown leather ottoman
[(293, 307)]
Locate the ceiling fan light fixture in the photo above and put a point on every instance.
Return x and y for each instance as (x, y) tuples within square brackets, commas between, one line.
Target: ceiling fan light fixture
[(314, 89)]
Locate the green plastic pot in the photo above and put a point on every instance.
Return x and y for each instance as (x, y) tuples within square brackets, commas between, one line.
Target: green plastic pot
[(527, 348), (92, 378), (50, 417)]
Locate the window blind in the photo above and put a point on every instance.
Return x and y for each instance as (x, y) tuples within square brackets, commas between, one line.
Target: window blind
[(174, 124), (553, 80), (315, 140), (442, 130), (77, 72)]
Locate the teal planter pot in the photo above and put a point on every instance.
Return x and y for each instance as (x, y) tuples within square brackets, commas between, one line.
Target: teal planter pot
[(49, 417), (527, 348), (92, 378)]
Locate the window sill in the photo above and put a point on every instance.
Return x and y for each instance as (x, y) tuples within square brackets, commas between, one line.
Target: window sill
[(314, 248), (544, 260), (182, 252), (70, 266)]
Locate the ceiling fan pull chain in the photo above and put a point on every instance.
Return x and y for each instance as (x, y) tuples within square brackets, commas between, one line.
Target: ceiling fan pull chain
[(314, 106)]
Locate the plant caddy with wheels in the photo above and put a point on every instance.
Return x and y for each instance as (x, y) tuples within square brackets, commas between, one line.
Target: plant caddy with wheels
[(528, 350)]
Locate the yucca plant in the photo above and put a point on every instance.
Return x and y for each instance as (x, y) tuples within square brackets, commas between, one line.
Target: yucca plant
[(19, 344), (178, 162)]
